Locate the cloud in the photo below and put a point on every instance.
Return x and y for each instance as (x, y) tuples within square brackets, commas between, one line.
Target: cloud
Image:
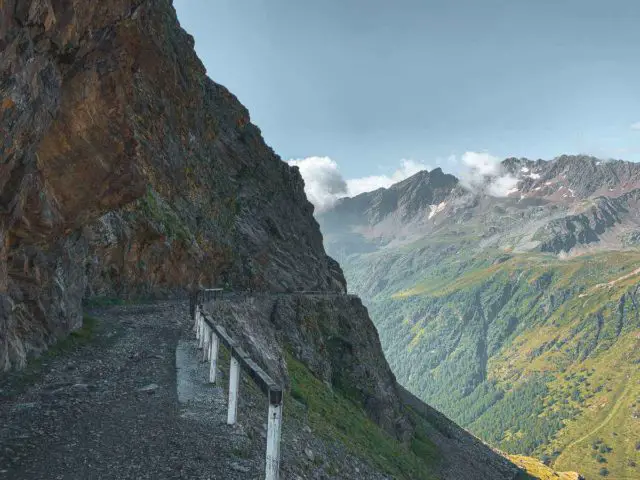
[(502, 186), (635, 126), (483, 172), (369, 184), (481, 163), (324, 184)]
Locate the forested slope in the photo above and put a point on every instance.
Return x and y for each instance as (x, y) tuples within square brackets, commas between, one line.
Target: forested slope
[(516, 316)]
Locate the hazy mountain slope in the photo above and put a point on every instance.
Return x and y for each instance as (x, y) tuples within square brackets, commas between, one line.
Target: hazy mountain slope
[(516, 316)]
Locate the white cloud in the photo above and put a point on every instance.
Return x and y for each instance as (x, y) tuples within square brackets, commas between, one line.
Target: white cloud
[(502, 186), (481, 163), (324, 184), (369, 184), (484, 172), (635, 126)]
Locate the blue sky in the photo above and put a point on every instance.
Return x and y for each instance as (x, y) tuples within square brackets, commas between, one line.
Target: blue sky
[(368, 83)]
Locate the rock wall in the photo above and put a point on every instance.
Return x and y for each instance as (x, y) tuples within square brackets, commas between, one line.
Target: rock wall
[(124, 170)]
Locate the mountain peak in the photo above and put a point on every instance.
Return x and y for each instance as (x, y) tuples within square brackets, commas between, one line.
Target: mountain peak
[(434, 177), (406, 198)]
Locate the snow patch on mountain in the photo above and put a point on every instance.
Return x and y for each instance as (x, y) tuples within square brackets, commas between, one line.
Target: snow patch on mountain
[(435, 209)]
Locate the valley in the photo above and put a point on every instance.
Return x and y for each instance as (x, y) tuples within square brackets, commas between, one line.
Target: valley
[(516, 316)]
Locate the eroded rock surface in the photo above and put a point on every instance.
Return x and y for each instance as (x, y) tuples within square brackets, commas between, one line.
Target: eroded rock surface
[(124, 170), (331, 334)]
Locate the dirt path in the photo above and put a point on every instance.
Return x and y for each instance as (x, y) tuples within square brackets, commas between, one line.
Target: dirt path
[(110, 410), (603, 424), (135, 403), (611, 283)]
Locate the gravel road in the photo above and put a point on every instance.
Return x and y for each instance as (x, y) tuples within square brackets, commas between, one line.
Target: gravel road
[(134, 402), (110, 409)]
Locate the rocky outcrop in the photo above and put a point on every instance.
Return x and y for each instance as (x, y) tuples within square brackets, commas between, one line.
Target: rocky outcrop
[(404, 199), (582, 176), (587, 227), (401, 212), (331, 334), (123, 168)]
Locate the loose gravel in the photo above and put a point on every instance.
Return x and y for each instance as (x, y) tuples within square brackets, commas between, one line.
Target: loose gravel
[(110, 409), (134, 402)]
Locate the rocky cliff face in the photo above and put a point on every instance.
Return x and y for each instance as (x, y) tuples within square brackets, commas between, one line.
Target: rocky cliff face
[(404, 199), (124, 170), (577, 176)]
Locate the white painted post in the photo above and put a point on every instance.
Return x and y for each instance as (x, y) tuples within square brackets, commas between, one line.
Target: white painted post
[(213, 356), (234, 384), (205, 344), (196, 318), (197, 326), (274, 427), (201, 336)]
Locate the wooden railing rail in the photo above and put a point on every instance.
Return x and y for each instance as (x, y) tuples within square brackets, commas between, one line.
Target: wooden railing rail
[(210, 335)]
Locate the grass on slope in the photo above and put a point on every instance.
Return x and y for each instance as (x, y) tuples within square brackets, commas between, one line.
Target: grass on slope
[(535, 469), (576, 327), (334, 417), (596, 381), (606, 434), (594, 269), (602, 394), (75, 339)]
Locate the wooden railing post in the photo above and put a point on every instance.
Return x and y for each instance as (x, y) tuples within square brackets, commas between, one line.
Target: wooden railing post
[(205, 344), (201, 332), (274, 429), (213, 356), (234, 384)]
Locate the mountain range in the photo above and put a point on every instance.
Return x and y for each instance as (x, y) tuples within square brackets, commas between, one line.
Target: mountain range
[(508, 300)]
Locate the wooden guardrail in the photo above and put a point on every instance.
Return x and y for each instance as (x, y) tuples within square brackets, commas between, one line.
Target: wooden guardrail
[(210, 335)]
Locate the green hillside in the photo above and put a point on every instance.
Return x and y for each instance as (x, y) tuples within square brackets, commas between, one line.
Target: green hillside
[(334, 417), (534, 354), (517, 316)]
